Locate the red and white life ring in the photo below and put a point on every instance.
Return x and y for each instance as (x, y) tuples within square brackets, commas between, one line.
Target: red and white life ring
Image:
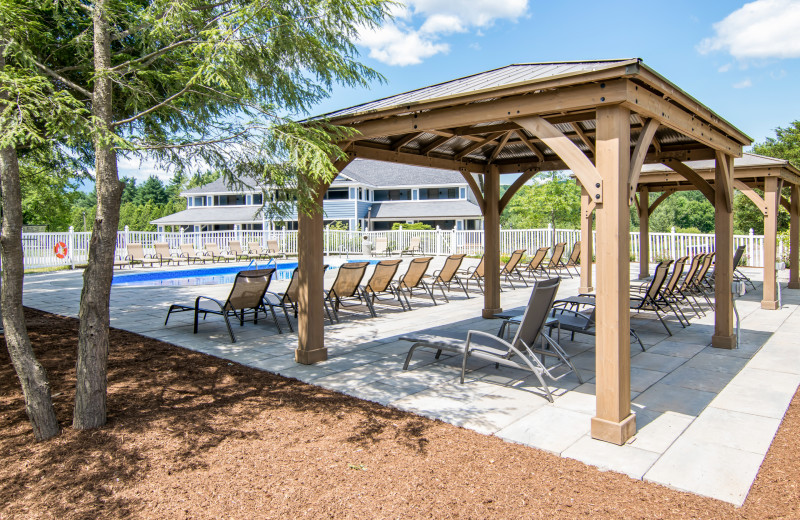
[(60, 250)]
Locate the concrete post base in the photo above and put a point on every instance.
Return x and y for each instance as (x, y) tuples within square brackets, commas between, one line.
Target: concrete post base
[(613, 432), (309, 357), (726, 342)]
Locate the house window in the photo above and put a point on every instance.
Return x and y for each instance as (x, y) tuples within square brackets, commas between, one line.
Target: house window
[(258, 199), (384, 195), (336, 194), (190, 200), (463, 193), (438, 193), (198, 201), (360, 193), (229, 200)]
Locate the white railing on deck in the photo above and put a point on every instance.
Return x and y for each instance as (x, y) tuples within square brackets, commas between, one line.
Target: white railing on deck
[(39, 248)]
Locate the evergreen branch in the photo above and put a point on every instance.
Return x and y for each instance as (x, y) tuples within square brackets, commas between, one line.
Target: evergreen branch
[(58, 77)]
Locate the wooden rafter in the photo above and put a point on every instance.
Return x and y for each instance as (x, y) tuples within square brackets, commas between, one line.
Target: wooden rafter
[(588, 142), (475, 189), (514, 188), (639, 154), (692, 176), (572, 156), (474, 146), (527, 142), (499, 147), (661, 198), (381, 154), (396, 145), (435, 144)]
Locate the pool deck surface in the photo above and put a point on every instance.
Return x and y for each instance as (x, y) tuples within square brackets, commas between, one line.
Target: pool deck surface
[(705, 417)]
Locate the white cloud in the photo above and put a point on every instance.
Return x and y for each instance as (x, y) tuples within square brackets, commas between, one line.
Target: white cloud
[(743, 84), (724, 68), (419, 26), (140, 169), (758, 30)]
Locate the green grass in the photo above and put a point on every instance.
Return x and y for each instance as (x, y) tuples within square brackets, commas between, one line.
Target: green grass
[(47, 269)]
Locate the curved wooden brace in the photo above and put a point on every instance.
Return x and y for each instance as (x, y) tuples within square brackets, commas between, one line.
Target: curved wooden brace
[(475, 189), (572, 156), (514, 188), (661, 198), (691, 176), (786, 204), (638, 156), (751, 194)]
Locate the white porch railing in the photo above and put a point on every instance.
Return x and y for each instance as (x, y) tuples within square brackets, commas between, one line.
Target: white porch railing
[(40, 248)]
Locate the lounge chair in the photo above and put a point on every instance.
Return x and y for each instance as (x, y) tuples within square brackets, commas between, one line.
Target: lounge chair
[(737, 274), (137, 255), (413, 247), (520, 353), (414, 278), (555, 264), (290, 297), (213, 250), (256, 252), (164, 254), (510, 268), (193, 256), (476, 273), (534, 267), (700, 282), (578, 319), (381, 282), (122, 263), (273, 249), (235, 249), (684, 292), (448, 274), (246, 296), (381, 246), (574, 259), (347, 288), (669, 291)]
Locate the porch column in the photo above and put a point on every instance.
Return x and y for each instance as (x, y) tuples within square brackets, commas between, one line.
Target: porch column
[(587, 243), (644, 232), (310, 326), (613, 421), (491, 243), (772, 193), (723, 262), (794, 238)]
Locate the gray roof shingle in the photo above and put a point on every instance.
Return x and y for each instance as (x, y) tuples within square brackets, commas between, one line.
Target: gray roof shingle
[(211, 215)]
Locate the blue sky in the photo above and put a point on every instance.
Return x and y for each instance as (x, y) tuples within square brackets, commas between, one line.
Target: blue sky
[(740, 59)]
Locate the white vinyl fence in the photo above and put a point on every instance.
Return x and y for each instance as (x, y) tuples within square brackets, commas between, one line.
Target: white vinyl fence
[(44, 249)]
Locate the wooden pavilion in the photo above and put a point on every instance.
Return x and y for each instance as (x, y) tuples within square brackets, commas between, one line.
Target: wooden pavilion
[(603, 120)]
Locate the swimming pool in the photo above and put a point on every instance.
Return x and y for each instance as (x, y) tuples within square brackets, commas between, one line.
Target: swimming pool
[(203, 275)]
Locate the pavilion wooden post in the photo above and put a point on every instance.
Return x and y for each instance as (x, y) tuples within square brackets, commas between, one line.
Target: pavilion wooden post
[(587, 242), (613, 421), (772, 193), (794, 238), (310, 257), (723, 261), (491, 244), (644, 232)]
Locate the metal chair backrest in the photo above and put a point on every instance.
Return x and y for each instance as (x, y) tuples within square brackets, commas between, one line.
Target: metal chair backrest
[(479, 272), (558, 252), (694, 265), (516, 256), (704, 267), (348, 278), (235, 247), (416, 272), (273, 247), (537, 259), (536, 313), (136, 251), (382, 276), (677, 271), (737, 256), (662, 269), (249, 288), (291, 294), (162, 249), (575, 255), (450, 268)]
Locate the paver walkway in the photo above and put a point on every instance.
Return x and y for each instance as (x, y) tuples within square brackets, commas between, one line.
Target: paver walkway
[(705, 417)]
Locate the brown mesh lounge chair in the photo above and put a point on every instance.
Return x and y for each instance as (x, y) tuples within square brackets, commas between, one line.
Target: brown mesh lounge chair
[(414, 278), (164, 254), (256, 252), (273, 249), (381, 246), (413, 247), (246, 297), (701, 281), (555, 263), (534, 267), (737, 274), (510, 269), (578, 319), (381, 282), (136, 255), (574, 259), (448, 274), (346, 288), (212, 249), (684, 291), (476, 273), (235, 249), (193, 256), (289, 298), (521, 352)]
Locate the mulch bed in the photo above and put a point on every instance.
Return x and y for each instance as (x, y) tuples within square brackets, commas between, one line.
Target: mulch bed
[(192, 436)]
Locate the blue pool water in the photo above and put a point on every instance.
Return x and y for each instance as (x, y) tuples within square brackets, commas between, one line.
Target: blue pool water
[(201, 275)]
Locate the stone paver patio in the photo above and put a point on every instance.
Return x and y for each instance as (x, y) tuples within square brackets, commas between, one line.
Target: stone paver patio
[(705, 417)]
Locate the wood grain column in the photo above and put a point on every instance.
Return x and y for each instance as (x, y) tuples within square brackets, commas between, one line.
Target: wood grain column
[(644, 232), (723, 261), (491, 245), (794, 238), (587, 242), (310, 257), (614, 421), (772, 193)]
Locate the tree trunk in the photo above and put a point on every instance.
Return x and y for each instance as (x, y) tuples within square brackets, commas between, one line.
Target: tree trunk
[(32, 375), (93, 344)]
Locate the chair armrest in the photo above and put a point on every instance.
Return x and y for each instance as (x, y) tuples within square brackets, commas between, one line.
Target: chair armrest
[(197, 303)]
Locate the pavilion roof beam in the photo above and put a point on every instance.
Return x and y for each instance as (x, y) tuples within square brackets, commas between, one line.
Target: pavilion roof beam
[(692, 176), (475, 146), (384, 154), (650, 105), (578, 98), (435, 144), (499, 147), (572, 156), (585, 138), (527, 142), (396, 145)]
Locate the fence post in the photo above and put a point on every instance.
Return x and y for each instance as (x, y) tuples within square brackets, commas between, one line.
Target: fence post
[(438, 241), (127, 236), (283, 239), (326, 243), (672, 239), (71, 246), (751, 249), (180, 237), (453, 241)]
